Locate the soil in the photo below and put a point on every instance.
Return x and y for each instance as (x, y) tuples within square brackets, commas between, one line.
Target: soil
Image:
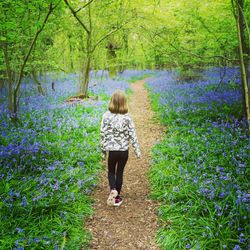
[(133, 225)]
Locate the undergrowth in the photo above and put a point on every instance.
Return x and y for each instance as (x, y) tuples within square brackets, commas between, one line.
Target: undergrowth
[(199, 170)]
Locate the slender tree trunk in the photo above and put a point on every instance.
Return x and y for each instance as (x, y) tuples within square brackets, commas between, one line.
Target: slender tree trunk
[(2, 80), (8, 73), (242, 40), (243, 64), (70, 54), (20, 75), (111, 59), (39, 85), (85, 83), (245, 44)]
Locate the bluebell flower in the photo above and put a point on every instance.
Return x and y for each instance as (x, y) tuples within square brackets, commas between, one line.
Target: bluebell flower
[(56, 247), (24, 202), (19, 230), (81, 164), (221, 195), (237, 247), (56, 185), (52, 168), (242, 238)]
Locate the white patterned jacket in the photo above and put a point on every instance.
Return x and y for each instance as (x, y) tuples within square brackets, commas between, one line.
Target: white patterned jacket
[(117, 131)]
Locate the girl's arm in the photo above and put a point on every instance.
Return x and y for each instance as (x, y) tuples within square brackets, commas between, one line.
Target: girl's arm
[(102, 134), (133, 138)]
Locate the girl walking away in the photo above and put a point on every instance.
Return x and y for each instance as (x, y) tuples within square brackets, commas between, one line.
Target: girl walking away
[(117, 132)]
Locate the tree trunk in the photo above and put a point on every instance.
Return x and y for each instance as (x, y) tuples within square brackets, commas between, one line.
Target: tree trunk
[(70, 54), (242, 40), (2, 82), (111, 58), (39, 85), (20, 75), (243, 64), (85, 82), (8, 73), (90, 49)]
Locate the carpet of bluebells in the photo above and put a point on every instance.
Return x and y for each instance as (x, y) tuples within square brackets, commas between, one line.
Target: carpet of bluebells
[(50, 161), (200, 170)]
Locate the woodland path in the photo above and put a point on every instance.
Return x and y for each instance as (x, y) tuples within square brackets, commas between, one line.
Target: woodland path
[(133, 225)]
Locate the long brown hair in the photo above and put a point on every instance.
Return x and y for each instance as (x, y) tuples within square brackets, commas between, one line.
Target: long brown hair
[(118, 103)]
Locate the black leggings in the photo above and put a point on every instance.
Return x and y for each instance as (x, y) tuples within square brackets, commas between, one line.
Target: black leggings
[(116, 163)]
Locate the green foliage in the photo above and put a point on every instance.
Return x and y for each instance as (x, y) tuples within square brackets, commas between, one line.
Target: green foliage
[(20, 21), (47, 192), (183, 165), (186, 35), (199, 170)]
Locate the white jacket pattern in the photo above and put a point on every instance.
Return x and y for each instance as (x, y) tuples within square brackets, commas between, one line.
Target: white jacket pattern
[(117, 132)]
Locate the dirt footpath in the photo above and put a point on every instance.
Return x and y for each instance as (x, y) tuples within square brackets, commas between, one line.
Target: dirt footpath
[(133, 225)]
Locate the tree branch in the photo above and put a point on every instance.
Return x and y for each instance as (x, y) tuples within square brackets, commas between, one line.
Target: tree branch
[(182, 50), (233, 9), (106, 36), (77, 18), (246, 23), (208, 29), (8, 73), (84, 6)]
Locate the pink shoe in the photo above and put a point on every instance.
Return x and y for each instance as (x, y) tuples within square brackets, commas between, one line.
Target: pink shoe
[(118, 201), (111, 198)]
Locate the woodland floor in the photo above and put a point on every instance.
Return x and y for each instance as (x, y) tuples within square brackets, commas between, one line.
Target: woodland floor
[(133, 225)]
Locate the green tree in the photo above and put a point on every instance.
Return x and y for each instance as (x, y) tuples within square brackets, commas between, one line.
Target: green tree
[(18, 39), (241, 23), (89, 25)]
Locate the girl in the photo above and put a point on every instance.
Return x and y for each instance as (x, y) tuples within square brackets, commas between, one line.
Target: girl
[(117, 131)]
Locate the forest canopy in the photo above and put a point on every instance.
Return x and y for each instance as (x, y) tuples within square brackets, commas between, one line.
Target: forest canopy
[(151, 34)]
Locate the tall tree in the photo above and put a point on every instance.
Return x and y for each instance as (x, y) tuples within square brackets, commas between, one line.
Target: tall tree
[(17, 44), (92, 42), (241, 24)]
